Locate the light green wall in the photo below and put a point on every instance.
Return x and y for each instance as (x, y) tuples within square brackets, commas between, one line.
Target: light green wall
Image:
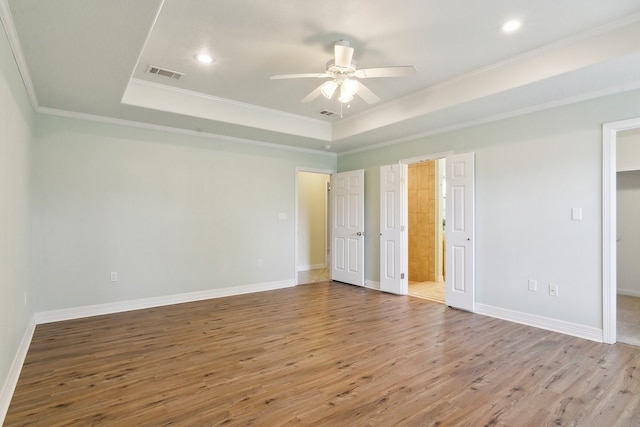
[(15, 144), (171, 213), (530, 171)]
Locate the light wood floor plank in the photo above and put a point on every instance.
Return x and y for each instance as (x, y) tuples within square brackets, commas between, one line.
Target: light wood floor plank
[(320, 354)]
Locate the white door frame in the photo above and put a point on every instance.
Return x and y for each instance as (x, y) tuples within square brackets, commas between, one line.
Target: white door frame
[(296, 219), (609, 226)]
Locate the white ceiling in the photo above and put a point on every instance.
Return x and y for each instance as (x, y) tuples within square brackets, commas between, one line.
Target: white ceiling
[(91, 56)]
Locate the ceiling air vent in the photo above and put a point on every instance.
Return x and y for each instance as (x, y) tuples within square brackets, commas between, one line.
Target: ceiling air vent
[(327, 113), (164, 72)]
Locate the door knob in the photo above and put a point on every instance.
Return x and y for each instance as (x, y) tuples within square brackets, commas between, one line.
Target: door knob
[(360, 233)]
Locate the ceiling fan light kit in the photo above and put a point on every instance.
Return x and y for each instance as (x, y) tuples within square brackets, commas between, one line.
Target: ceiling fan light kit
[(348, 89), (344, 73), (329, 88)]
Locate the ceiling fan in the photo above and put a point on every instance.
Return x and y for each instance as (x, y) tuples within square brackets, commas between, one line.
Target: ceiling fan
[(343, 72)]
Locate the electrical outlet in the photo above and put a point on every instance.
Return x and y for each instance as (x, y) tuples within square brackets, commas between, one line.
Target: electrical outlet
[(533, 285), (553, 290), (114, 276), (260, 263)]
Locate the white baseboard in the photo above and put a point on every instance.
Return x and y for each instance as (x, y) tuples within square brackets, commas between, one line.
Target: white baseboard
[(11, 381), (311, 267), (628, 292), (372, 285), (561, 326), (568, 328), (122, 306)]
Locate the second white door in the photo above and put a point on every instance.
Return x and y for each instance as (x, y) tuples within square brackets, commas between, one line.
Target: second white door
[(393, 235)]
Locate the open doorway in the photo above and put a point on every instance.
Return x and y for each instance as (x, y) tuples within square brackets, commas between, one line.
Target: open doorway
[(610, 135), (312, 234), (628, 236), (426, 229)]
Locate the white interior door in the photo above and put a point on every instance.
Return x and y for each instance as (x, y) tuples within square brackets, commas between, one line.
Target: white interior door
[(347, 227), (393, 225), (460, 280)]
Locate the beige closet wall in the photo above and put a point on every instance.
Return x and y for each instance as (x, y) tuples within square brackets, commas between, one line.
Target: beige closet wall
[(312, 220), (422, 220)]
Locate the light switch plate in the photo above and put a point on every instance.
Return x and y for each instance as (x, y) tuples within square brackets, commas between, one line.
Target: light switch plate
[(576, 214)]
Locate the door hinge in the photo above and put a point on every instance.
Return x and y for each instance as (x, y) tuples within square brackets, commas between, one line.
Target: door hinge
[(402, 228), (402, 276)]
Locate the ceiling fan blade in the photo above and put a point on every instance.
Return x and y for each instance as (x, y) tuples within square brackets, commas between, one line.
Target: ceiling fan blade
[(400, 71), (300, 76), (343, 53), (313, 95), (366, 94)]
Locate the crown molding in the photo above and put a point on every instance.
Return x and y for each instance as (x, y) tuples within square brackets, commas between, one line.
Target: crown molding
[(16, 48), (169, 129), (498, 117), (156, 96)]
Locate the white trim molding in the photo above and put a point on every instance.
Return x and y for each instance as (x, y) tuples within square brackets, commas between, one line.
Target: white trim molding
[(161, 128), (311, 267), (155, 96), (16, 48), (139, 304), (370, 284), (555, 325), (10, 383)]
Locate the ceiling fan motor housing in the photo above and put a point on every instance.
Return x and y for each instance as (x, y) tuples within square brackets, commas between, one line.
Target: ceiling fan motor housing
[(332, 68)]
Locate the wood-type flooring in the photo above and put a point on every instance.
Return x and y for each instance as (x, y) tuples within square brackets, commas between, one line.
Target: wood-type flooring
[(329, 354)]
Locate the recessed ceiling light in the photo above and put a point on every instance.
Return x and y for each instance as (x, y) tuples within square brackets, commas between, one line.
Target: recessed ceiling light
[(511, 26), (205, 58)]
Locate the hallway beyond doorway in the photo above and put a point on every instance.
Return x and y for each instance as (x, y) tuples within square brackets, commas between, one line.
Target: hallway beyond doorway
[(628, 319)]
